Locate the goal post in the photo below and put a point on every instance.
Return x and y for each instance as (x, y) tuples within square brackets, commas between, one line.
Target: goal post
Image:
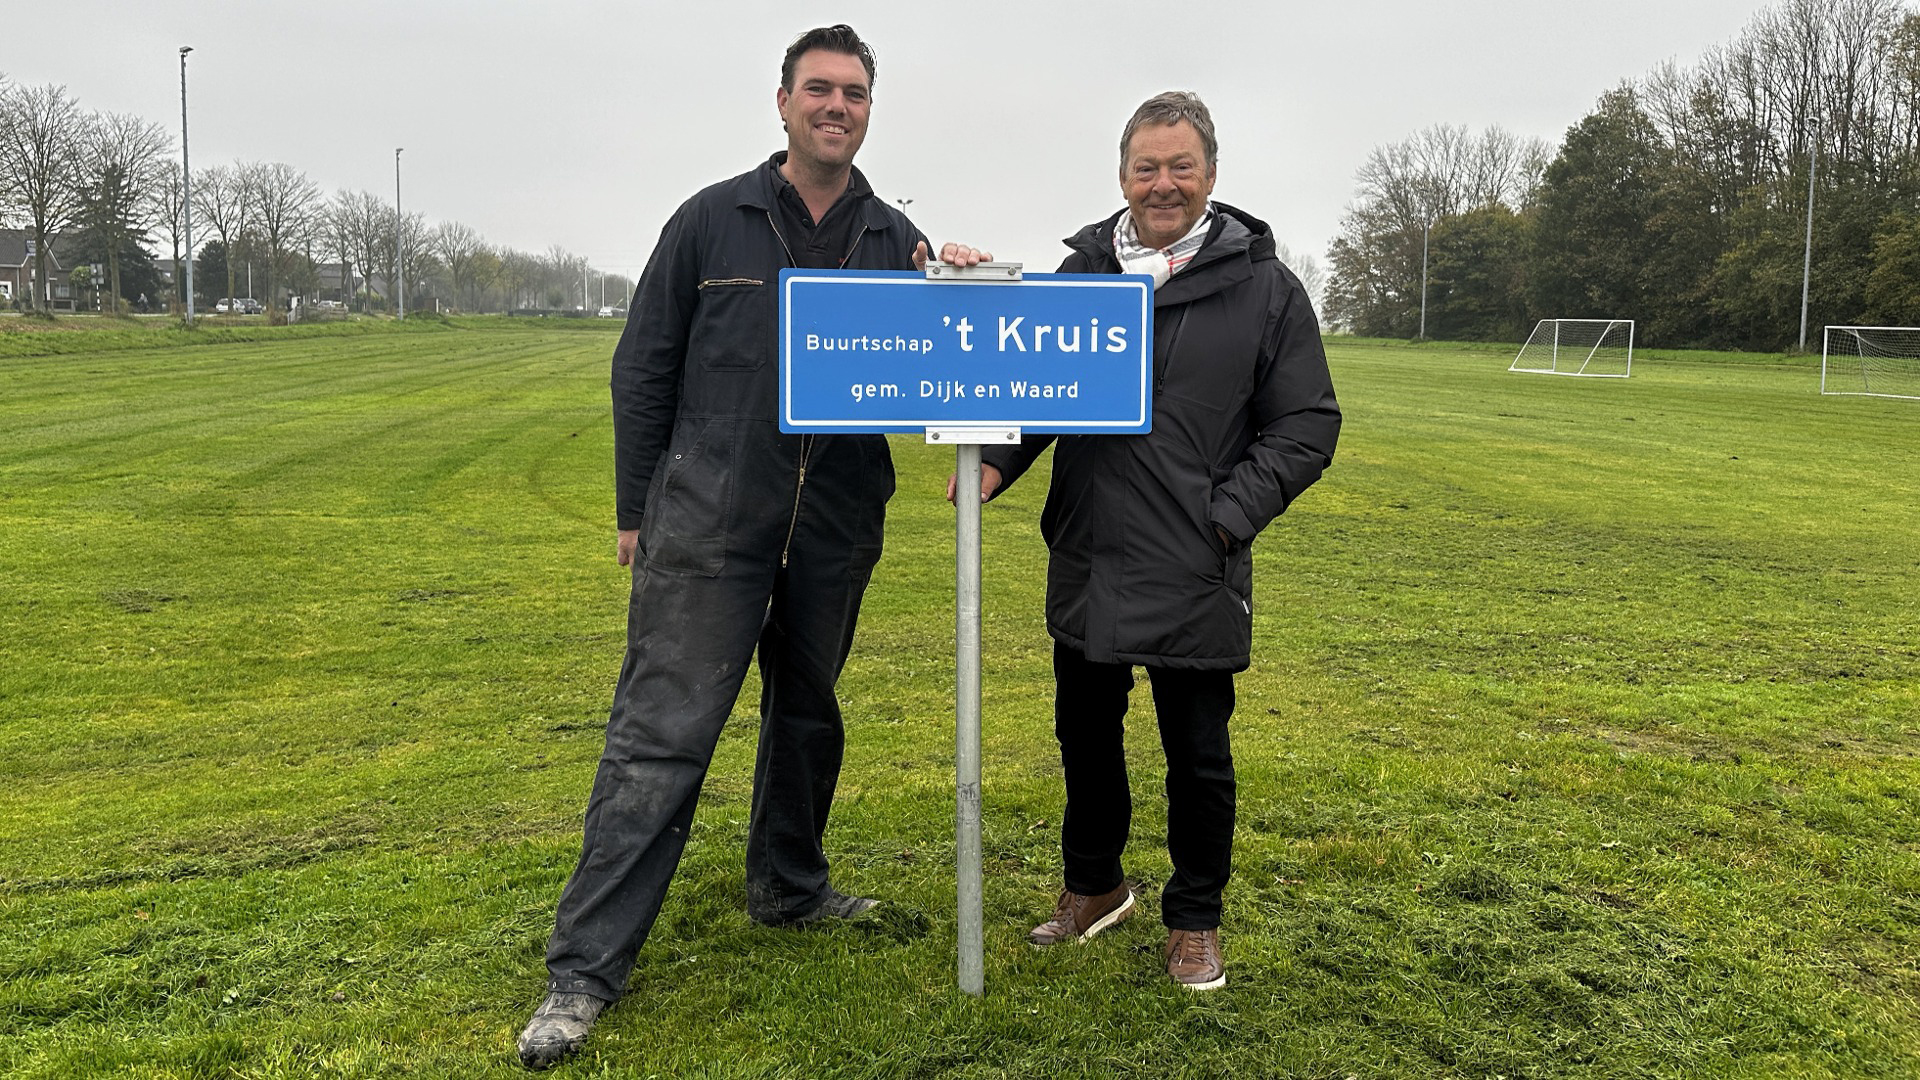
[(1594, 348), (1878, 361)]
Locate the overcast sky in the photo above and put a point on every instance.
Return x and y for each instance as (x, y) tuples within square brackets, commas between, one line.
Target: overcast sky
[(584, 124)]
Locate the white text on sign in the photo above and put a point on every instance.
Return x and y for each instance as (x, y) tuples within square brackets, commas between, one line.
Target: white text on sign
[(954, 390)]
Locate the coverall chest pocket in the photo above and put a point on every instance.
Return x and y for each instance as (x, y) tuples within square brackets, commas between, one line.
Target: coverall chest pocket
[(733, 327)]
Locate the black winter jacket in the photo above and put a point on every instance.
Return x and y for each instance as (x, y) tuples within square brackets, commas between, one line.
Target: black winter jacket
[(701, 466), (1244, 420)]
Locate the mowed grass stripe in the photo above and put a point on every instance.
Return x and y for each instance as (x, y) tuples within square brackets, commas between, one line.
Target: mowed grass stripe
[(248, 400), (254, 562), (185, 379), (1563, 753)]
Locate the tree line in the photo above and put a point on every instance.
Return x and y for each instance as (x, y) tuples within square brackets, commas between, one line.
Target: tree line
[(1680, 201), (104, 185)]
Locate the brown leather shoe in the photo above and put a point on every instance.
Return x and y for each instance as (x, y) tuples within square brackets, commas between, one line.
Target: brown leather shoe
[(1193, 959), (1077, 917)]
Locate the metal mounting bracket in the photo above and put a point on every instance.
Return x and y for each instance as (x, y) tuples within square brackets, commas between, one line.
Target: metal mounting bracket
[(991, 272), (976, 436)]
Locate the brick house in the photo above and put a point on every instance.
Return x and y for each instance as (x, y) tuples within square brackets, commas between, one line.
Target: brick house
[(16, 269)]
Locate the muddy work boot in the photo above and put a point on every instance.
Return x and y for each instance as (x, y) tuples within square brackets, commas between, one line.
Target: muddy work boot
[(837, 905), (1193, 959), (558, 1029), (1077, 917)]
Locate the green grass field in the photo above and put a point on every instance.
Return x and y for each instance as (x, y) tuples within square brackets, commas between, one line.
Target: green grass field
[(1582, 739)]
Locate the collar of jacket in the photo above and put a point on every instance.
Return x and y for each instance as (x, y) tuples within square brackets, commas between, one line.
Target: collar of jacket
[(1235, 241), (758, 192)]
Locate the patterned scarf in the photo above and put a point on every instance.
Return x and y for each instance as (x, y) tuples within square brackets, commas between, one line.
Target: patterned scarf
[(1137, 258)]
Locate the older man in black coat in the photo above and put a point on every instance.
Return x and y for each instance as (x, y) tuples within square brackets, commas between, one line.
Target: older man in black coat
[(1150, 535)]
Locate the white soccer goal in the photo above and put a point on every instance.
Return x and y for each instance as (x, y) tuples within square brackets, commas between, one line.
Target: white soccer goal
[(1596, 348), (1883, 361)]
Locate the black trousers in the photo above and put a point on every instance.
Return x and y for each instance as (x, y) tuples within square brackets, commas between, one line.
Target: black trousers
[(690, 639), (1090, 705)]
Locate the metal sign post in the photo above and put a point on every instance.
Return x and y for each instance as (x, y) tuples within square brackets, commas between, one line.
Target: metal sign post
[(966, 656), (877, 351), (966, 691)]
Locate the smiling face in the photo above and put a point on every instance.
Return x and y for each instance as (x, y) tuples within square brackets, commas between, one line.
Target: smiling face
[(1166, 180), (826, 111)]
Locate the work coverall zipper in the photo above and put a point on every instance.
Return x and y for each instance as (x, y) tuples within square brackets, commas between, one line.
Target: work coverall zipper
[(806, 441), (799, 485)]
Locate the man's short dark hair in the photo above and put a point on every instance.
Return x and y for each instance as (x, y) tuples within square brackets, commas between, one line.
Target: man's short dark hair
[(1171, 108), (838, 38)]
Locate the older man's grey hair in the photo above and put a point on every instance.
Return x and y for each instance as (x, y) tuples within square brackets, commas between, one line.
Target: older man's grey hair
[(1171, 108)]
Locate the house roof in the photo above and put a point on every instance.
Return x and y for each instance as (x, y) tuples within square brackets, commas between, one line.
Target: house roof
[(13, 248)]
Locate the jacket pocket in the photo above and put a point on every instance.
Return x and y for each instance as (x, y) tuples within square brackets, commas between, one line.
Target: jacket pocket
[(691, 507), (733, 328)]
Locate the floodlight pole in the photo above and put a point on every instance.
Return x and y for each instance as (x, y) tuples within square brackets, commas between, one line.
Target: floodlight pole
[(186, 180), (399, 259), (1425, 227), (1806, 266)]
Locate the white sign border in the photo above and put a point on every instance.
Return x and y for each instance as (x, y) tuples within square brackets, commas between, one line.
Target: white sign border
[(1142, 414)]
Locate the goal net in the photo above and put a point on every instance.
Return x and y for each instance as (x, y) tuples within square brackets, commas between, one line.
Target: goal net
[(1883, 361), (1597, 348)]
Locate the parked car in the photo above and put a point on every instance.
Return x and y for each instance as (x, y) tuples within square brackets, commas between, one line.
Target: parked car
[(606, 313), (247, 305), (223, 306)]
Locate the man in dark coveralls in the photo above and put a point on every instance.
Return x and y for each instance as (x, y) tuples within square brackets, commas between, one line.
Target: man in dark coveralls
[(741, 539), (1149, 536)]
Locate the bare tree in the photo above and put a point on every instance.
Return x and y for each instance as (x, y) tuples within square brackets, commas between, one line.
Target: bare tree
[(284, 207), (1844, 72), (1304, 266), (1443, 170), (337, 236), (565, 278), (360, 222), (9, 198), (169, 211), (489, 270), (123, 162), (221, 200), (457, 246), (520, 276), (40, 129), (1403, 189), (416, 251)]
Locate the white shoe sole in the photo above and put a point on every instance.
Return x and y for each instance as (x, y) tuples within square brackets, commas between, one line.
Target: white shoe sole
[(1214, 985), (1112, 919)]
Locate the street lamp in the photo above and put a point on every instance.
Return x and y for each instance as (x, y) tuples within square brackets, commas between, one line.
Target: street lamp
[(399, 261), (904, 203), (186, 180), (1425, 228), (1806, 266)]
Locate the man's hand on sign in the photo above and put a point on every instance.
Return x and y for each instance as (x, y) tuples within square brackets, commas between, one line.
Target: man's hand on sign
[(989, 482), (951, 254)]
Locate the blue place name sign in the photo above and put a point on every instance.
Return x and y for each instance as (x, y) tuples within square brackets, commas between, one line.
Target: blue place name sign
[(883, 350)]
